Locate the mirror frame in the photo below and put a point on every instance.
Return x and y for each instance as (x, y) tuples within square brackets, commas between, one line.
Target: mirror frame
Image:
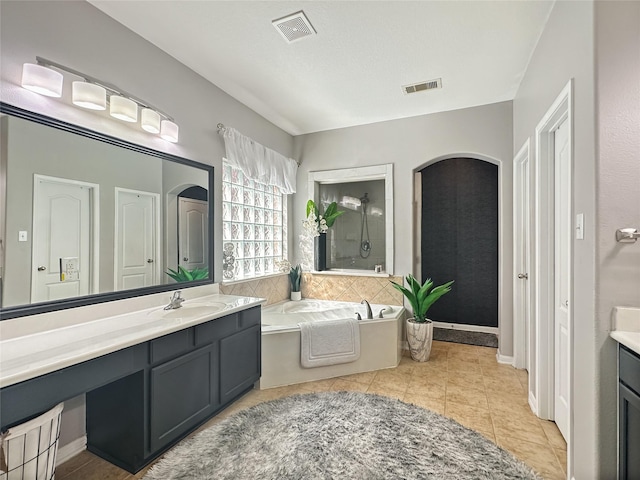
[(361, 174), (44, 307)]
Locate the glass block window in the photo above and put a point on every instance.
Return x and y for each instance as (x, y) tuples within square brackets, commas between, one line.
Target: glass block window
[(254, 219)]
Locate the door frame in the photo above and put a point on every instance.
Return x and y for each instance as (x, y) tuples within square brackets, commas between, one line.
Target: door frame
[(521, 351), (503, 329), (544, 238), (158, 243), (94, 234)]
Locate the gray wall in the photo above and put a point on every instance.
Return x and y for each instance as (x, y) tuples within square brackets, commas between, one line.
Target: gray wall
[(618, 197), (79, 36), (483, 132)]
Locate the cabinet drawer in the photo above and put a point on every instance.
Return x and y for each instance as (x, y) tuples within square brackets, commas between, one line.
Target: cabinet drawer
[(171, 345), (630, 369)]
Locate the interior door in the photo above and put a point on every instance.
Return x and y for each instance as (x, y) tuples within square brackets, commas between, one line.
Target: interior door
[(62, 235), (192, 232), (562, 272), (522, 264), (136, 239)]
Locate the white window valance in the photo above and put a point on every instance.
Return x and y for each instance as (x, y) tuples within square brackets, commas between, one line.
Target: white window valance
[(260, 163)]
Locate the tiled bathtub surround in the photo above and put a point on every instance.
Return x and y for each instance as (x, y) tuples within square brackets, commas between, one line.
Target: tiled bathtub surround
[(275, 289), (347, 288)]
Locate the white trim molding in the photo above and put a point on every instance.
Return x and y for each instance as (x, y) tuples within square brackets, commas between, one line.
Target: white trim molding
[(467, 328), (71, 449)]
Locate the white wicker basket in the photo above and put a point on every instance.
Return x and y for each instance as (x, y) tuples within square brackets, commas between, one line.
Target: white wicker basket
[(29, 450)]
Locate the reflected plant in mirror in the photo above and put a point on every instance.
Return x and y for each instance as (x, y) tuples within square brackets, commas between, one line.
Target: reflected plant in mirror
[(89, 218)]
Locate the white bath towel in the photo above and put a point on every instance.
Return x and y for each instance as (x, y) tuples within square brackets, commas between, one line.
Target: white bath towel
[(329, 342)]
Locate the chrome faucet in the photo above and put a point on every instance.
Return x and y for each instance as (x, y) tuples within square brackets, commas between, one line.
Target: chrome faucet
[(176, 301), (369, 312)]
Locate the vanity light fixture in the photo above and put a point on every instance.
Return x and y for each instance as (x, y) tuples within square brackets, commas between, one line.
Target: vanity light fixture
[(44, 77), (42, 80), (350, 202), (123, 109), (88, 95)]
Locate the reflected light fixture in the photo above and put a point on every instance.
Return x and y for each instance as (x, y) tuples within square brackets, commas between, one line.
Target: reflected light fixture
[(44, 77), (41, 80), (88, 95), (350, 202)]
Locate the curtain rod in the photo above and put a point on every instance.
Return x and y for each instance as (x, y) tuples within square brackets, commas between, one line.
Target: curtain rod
[(221, 129)]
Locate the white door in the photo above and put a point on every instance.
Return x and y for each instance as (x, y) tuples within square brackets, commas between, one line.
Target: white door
[(522, 260), (136, 237), (62, 236), (562, 275), (192, 232)]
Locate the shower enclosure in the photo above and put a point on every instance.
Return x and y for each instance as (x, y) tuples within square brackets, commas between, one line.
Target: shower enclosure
[(357, 239)]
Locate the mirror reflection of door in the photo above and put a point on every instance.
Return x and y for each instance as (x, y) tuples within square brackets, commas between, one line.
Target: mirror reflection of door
[(192, 228), (63, 227), (137, 235)]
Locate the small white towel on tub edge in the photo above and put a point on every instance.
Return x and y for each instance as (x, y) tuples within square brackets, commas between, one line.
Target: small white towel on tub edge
[(329, 342)]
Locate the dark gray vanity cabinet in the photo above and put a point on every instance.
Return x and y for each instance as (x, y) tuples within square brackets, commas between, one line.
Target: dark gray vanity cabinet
[(629, 415), (188, 377)]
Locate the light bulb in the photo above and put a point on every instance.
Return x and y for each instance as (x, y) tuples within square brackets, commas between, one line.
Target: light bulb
[(42, 80), (89, 95)]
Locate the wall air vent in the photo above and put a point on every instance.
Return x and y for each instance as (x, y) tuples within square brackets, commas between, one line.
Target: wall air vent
[(422, 86), (294, 27)]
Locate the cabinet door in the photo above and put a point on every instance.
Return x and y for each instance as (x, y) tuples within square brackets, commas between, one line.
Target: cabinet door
[(184, 392), (629, 431), (239, 362)]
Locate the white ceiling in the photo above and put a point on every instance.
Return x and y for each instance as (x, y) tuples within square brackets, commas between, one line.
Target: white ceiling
[(352, 71)]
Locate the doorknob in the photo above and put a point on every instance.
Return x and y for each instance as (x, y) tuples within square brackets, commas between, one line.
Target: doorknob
[(523, 275), (42, 268), (185, 259), (149, 260)]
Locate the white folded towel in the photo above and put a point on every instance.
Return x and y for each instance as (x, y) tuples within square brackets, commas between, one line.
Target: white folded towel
[(329, 342)]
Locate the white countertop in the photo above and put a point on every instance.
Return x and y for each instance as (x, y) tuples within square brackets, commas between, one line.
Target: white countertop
[(29, 356), (626, 327)]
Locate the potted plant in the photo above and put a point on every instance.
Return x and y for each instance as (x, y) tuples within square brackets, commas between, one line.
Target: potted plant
[(295, 275), (419, 327), (317, 226)]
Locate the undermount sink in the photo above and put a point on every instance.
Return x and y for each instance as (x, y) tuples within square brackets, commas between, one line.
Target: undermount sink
[(188, 310)]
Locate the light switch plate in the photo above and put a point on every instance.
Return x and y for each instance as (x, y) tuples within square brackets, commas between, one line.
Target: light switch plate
[(580, 226), (22, 236)]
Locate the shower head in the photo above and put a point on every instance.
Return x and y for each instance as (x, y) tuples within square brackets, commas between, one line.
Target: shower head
[(365, 199)]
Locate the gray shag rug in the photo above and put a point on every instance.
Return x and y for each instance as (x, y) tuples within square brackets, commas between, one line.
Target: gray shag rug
[(337, 435), (463, 336)]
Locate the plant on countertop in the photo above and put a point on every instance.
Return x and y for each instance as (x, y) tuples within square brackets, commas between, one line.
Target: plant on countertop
[(421, 297), (295, 275), (184, 275), (315, 223)]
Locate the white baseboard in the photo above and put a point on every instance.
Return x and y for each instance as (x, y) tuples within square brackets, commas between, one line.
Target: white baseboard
[(533, 403), (508, 360), (467, 328), (71, 449)]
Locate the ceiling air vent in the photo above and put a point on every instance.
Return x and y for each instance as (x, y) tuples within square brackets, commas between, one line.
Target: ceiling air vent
[(294, 27), (422, 86)]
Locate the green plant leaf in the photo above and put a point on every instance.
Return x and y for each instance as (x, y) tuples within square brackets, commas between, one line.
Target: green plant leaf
[(421, 297)]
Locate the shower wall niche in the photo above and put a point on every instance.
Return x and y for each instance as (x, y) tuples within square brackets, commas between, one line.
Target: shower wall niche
[(357, 238), (362, 238)]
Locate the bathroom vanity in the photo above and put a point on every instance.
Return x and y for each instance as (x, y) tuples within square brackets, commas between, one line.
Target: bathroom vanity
[(166, 373), (627, 333)]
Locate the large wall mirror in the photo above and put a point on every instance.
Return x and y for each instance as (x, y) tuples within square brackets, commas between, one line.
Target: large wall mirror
[(361, 239), (87, 218)]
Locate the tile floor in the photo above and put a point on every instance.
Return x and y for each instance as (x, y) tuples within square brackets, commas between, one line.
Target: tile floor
[(462, 382)]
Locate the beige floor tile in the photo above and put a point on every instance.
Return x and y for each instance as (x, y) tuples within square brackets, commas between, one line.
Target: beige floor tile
[(434, 391), (540, 457), (391, 381), (505, 400), (556, 440), (494, 369), (463, 347), (488, 352), (466, 380), (519, 429), (433, 379), (507, 385), (476, 418), (365, 377), (561, 455), (385, 391), (341, 385), (73, 464), (433, 404), (466, 396), (463, 356), (430, 370), (437, 344), (457, 365), (406, 368)]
